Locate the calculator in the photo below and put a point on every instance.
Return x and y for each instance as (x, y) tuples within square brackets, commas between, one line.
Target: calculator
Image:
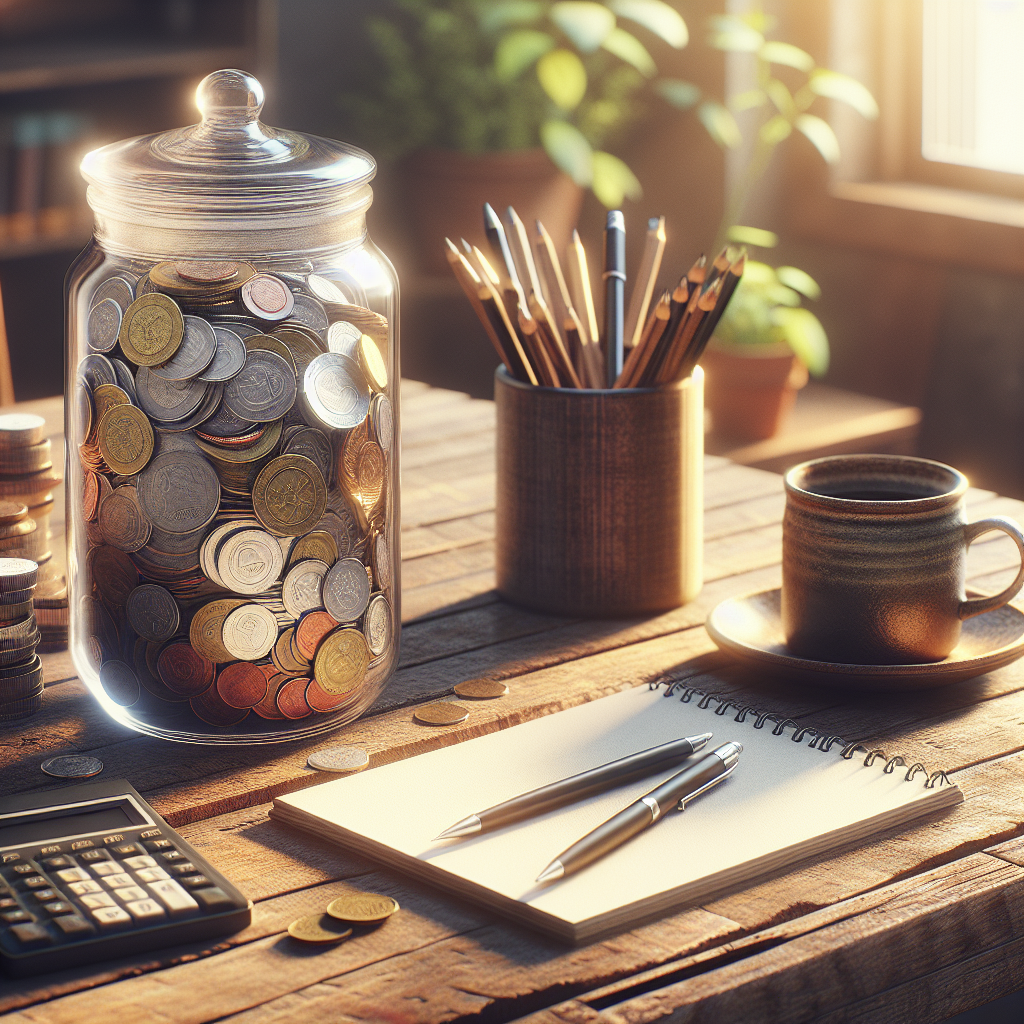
[(92, 872)]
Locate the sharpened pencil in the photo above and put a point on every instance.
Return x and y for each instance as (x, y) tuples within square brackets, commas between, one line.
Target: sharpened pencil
[(579, 289), (640, 356), (646, 278)]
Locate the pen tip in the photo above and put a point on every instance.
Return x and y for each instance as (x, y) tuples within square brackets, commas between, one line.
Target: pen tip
[(700, 741), (552, 872), (467, 827)]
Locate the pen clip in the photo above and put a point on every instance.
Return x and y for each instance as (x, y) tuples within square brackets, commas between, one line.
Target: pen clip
[(707, 785)]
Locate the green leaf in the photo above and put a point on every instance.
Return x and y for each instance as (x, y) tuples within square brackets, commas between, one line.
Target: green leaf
[(805, 335), (655, 16), (735, 35), (821, 135), (613, 180), (800, 281), (775, 130), (753, 236), (568, 150), (628, 48), (677, 92), (720, 124), (835, 86), (493, 17), (517, 50), (781, 97), (747, 100), (563, 78), (586, 24), (785, 53)]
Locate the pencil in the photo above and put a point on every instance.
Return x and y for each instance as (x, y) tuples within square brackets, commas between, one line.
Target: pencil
[(671, 367), (647, 276), (505, 265), (522, 254), (684, 295), (579, 288), (707, 330), (614, 292), (553, 341), (641, 353), (533, 338), (556, 294)]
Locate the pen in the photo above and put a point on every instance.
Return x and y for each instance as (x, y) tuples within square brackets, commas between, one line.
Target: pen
[(614, 292), (679, 790), (576, 787)]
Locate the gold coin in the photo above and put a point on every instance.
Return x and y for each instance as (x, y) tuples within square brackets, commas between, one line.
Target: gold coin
[(341, 661), (481, 689), (372, 363), (318, 928), (362, 466), (290, 495), (152, 329), (206, 632), (440, 713), (106, 396), (125, 439), (362, 907), (319, 544)]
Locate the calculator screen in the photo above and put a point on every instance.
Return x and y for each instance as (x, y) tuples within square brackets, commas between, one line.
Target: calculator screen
[(64, 822)]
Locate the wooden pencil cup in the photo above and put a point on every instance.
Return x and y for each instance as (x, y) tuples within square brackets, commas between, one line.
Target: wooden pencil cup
[(600, 497)]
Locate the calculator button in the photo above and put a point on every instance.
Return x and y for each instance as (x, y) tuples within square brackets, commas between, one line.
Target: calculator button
[(47, 851), (152, 874), (153, 833), (109, 918), (100, 900), (7, 858), (177, 901), (131, 892), (43, 895), (139, 862), (128, 850), (31, 935), (173, 857), (109, 840), (59, 907), (58, 862), (73, 875), (82, 844), (188, 868), (158, 844), (15, 916), (107, 867), (72, 925), (214, 899), (145, 910), (81, 888), (6, 902), (118, 881), (35, 882), (24, 869), (91, 856), (195, 881)]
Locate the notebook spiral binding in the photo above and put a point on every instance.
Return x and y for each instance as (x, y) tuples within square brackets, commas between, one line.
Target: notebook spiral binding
[(819, 740)]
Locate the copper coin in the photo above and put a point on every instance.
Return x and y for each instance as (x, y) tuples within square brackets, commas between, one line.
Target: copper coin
[(185, 671), (122, 522), (291, 699), (209, 707), (242, 685), (320, 700), (362, 907), (91, 497), (206, 271), (440, 713), (267, 297), (312, 628), (267, 708), (12, 512), (481, 689)]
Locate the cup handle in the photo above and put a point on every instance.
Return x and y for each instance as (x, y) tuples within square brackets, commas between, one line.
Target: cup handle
[(978, 605)]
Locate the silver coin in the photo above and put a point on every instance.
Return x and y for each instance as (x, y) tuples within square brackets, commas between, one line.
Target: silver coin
[(166, 400), (249, 561), (174, 441), (84, 411), (339, 759), (120, 683), (310, 312), (303, 587), (316, 447), (95, 369), (104, 325), (153, 613), (326, 290), (346, 590), (249, 632), (224, 423), (241, 326), (265, 388), (213, 540), (194, 354), (230, 357), (343, 337), (383, 420), (179, 492), (125, 380), (119, 289), (336, 390), (207, 407), (377, 626), (176, 543), (72, 766)]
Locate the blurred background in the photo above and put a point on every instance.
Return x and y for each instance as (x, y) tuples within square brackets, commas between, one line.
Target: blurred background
[(870, 153)]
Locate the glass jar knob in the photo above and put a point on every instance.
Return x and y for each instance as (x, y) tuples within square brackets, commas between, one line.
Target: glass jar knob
[(229, 98)]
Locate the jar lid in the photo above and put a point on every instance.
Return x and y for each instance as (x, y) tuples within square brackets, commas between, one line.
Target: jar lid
[(228, 164)]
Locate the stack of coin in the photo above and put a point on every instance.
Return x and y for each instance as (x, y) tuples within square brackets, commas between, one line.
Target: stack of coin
[(27, 479), (237, 447), (21, 681)]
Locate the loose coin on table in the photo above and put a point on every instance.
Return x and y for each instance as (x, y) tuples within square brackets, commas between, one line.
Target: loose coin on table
[(481, 689), (362, 907), (440, 713), (339, 759), (72, 766), (319, 928)]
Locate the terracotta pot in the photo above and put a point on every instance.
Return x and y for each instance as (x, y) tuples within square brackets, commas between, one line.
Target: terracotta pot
[(445, 192), (751, 389)]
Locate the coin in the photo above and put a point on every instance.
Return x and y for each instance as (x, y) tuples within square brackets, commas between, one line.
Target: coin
[(106, 397), (308, 311), (179, 492), (286, 657), (96, 369), (119, 683), (341, 524), (241, 685), (270, 343), (206, 271), (318, 928), (291, 699), (103, 325), (362, 467), (17, 574), (377, 626), (290, 495), (339, 759), (229, 358), (341, 661), (372, 363), (119, 289), (224, 423), (481, 689), (320, 700), (312, 628), (314, 445), (122, 522), (194, 354), (264, 390), (250, 632), (343, 337), (125, 439), (12, 512), (440, 713), (167, 400), (206, 630), (368, 322), (153, 613), (113, 573), (267, 297), (325, 289), (336, 390), (267, 708), (20, 428), (346, 590), (72, 766), (302, 348), (382, 418), (303, 587), (318, 544), (151, 330), (184, 670), (210, 707), (249, 561), (362, 907)]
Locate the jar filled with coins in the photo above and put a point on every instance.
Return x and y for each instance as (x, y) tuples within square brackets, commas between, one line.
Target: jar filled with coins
[(232, 422)]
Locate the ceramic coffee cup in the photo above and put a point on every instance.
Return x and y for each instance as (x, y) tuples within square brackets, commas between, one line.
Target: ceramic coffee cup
[(874, 560)]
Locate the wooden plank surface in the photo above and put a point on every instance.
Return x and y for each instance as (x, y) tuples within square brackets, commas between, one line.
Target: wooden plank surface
[(796, 943)]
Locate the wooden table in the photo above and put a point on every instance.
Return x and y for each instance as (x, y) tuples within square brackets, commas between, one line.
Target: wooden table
[(915, 926)]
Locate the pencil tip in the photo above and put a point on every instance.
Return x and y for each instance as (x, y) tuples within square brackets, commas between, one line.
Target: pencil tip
[(552, 872), (467, 827), (490, 217)]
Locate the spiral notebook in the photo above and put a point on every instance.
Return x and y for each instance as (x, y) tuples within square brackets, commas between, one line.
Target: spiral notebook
[(793, 795)]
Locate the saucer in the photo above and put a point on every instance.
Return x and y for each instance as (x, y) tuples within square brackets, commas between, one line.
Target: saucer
[(750, 629)]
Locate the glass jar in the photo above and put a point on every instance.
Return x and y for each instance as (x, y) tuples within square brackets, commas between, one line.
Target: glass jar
[(232, 426)]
